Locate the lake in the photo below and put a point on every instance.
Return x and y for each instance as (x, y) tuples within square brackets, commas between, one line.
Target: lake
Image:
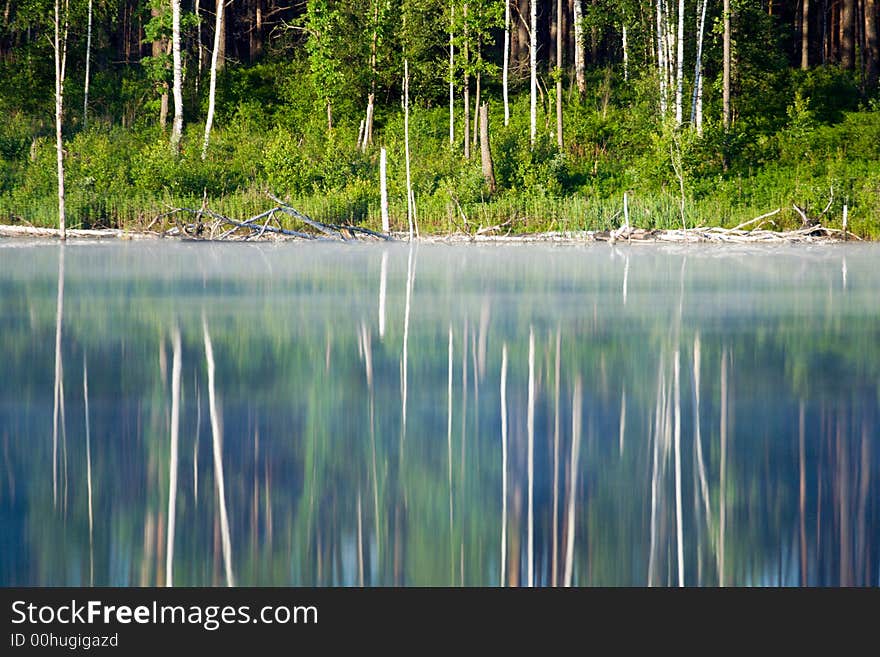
[(325, 414)]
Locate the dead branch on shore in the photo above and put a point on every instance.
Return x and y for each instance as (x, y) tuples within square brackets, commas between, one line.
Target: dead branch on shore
[(258, 226)]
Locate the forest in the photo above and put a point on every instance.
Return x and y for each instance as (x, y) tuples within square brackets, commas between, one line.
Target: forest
[(510, 115)]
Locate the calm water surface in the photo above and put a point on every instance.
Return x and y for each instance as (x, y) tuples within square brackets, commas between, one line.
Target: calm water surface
[(316, 414)]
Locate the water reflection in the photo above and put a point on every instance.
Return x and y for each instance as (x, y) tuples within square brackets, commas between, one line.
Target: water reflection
[(487, 416)]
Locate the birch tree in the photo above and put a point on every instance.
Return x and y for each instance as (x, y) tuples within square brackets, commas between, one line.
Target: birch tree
[(533, 71), (725, 75), (579, 47), (59, 45), (212, 89), (177, 127), (506, 66), (679, 67), (88, 62)]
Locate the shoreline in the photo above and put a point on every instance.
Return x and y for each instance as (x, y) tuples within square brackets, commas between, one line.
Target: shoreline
[(701, 234)]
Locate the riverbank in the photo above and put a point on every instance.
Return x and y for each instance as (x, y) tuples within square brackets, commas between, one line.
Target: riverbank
[(705, 234)]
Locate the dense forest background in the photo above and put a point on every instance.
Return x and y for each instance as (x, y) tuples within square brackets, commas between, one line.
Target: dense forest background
[(707, 112)]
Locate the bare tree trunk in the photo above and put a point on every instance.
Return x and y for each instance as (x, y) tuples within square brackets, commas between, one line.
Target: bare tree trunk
[(221, 33), (679, 65), (467, 90), (697, 100), (579, 47), (661, 56), (177, 128), (476, 132), (200, 49), (560, 39), (872, 42), (725, 82), (88, 67), (533, 69), (60, 47), (383, 194), (410, 200), (485, 151), (805, 35), (625, 54), (215, 58), (504, 75), (847, 42), (452, 75), (256, 40)]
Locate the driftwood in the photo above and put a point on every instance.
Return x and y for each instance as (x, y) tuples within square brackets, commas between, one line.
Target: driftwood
[(252, 228)]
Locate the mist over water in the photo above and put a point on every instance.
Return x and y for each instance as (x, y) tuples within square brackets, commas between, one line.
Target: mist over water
[(325, 414)]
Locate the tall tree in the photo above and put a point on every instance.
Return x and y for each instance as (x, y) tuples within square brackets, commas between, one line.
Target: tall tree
[(679, 64), (59, 45), (533, 72), (847, 40), (88, 63), (725, 75), (506, 64), (177, 127), (560, 39), (579, 68), (212, 90), (872, 42), (805, 34)]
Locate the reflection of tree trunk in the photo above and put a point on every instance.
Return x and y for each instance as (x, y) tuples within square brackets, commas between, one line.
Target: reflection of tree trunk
[(172, 467), (803, 493), (503, 463), (679, 538), (659, 421), (573, 477), (722, 511), (864, 552), (555, 537), (843, 485), (383, 279), (89, 472), (59, 384), (530, 555), (410, 276), (217, 442), (449, 455)]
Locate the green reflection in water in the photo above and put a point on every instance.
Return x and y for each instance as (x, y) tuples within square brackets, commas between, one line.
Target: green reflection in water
[(673, 415)]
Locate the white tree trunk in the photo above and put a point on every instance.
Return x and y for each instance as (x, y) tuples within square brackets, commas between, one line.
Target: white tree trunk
[(451, 76), (661, 57), (410, 210), (533, 68), (625, 56), (88, 67), (60, 47), (383, 190), (679, 64), (560, 141), (177, 89), (506, 65), (579, 46), (218, 25), (697, 100), (725, 79)]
